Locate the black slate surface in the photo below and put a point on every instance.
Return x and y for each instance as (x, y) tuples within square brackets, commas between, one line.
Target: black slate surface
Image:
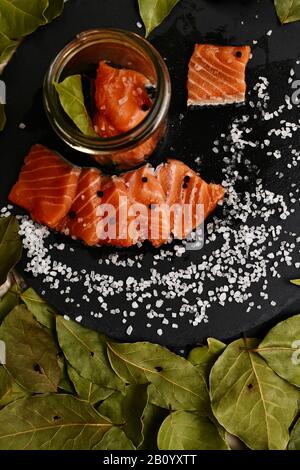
[(226, 22)]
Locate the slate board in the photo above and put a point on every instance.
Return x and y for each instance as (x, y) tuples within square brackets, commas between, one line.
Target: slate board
[(226, 22)]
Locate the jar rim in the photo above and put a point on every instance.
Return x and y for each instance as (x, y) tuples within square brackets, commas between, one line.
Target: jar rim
[(95, 145)]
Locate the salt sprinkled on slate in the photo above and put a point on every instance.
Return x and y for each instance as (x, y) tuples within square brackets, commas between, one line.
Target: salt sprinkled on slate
[(244, 250)]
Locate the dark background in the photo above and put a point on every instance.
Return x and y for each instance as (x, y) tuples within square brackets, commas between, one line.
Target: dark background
[(191, 21)]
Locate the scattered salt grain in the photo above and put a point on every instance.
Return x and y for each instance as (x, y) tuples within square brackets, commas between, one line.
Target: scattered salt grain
[(129, 330)]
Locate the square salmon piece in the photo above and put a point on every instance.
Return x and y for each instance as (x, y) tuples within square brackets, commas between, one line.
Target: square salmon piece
[(217, 75)]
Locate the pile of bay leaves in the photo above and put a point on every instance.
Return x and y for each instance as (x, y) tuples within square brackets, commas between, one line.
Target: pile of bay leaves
[(17, 20), (66, 387)]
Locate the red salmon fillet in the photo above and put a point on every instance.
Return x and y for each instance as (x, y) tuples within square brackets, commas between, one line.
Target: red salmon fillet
[(116, 195), (121, 99), (82, 219), (183, 186), (217, 75), (144, 188), (122, 103), (47, 186), (68, 199)]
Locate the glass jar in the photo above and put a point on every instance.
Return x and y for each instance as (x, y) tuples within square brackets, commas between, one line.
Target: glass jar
[(125, 49)]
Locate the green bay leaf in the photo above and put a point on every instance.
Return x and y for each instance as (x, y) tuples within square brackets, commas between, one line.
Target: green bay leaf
[(175, 383), (2, 117), (85, 350), (86, 389), (54, 9), (153, 13), (184, 430), (31, 353), (152, 419), (127, 410), (281, 349), (72, 100), (7, 47), (115, 439), (19, 18), (51, 422), (10, 246), (40, 309), (10, 390), (9, 301), (249, 400), (294, 443), (65, 383), (288, 10), (203, 357)]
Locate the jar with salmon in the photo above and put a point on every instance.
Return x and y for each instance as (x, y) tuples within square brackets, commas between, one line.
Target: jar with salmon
[(131, 91)]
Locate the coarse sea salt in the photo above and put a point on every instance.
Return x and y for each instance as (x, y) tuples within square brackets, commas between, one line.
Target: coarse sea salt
[(245, 245)]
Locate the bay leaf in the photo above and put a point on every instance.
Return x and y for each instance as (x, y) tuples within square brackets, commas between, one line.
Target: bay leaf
[(2, 117), (153, 13), (184, 430), (115, 439), (54, 9), (31, 354), (203, 357), (152, 419), (281, 349), (39, 308), (65, 383), (9, 389), (19, 18), (86, 390), (10, 246), (71, 97), (51, 422), (85, 350), (174, 381), (9, 301), (288, 10), (7, 46), (294, 443), (249, 400), (296, 282), (127, 410)]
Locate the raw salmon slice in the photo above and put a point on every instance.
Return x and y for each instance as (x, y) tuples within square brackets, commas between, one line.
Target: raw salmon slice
[(145, 189), (47, 186), (82, 219), (182, 186), (217, 75), (121, 99), (115, 221), (119, 211)]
